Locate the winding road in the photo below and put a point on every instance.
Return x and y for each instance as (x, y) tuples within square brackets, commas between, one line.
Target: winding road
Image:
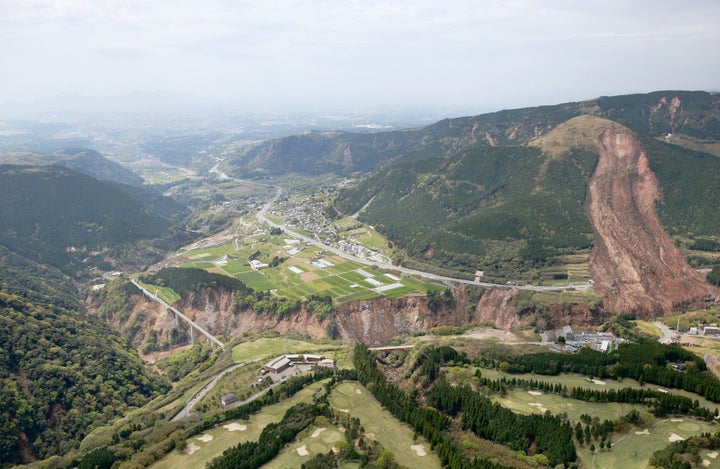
[(198, 396), (261, 216)]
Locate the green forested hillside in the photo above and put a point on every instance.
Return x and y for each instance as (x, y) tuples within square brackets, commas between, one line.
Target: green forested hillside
[(81, 160), (508, 209), (61, 372), (62, 218), (480, 208), (689, 181), (693, 114), (93, 164)]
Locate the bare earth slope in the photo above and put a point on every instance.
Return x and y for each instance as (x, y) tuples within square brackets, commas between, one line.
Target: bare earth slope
[(634, 262)]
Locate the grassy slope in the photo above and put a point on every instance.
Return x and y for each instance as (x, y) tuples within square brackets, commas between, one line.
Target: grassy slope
[(395, 436), (223, 438)]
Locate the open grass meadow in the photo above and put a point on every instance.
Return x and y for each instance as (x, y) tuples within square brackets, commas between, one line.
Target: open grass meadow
[(204, 447), (268, 347), (168, 295), (576, 380), (379, 424), (309, 443), (633, 449)]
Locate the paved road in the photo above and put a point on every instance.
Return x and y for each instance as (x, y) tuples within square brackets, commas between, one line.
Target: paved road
[(667, 332), (185, 412), (389, 266), (261, 216), (176, 311)]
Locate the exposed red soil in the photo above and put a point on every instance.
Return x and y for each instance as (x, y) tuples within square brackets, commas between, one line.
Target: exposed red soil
[(634, 262)]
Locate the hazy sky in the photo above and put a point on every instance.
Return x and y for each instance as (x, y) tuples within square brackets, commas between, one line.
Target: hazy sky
[(342, 54)]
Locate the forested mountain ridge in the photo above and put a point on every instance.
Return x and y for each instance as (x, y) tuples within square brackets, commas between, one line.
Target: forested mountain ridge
[(62, 372), (694, 115), (81, 160), (509, 210), (95, 165), (62, 218)]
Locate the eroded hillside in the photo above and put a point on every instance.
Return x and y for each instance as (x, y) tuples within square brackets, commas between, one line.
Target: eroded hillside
[(634, 262)]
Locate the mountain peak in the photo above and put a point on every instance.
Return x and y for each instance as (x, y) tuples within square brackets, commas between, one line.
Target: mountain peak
[(579, 132)]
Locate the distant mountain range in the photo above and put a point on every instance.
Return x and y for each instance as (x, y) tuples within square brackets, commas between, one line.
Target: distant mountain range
[(693, 116)]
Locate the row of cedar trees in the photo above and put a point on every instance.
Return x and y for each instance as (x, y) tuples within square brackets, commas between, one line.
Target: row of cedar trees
[(550, 435)]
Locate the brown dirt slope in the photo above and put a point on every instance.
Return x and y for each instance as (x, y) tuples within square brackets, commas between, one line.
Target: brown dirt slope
[(373, 321), (634, 262)]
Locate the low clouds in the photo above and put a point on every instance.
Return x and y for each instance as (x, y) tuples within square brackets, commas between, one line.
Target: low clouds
[(359, 53)]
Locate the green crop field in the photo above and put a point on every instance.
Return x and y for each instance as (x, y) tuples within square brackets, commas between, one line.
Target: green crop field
[(380, 424), (334, 280)]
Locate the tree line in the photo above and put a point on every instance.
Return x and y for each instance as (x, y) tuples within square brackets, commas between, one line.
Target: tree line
[(647, 362), (425, 420)]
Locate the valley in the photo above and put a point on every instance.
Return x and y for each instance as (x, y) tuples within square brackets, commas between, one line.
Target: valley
[(462, 241)]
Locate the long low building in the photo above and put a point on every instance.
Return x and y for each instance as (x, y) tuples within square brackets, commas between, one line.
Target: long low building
[(278, 364)]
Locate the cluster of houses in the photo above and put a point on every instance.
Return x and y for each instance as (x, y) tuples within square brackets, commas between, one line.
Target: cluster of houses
[(598, 341)]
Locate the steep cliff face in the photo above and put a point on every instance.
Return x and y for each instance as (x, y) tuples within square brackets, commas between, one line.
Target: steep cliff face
[(497, 305), (378, 320), (373, 321), (634, 262)]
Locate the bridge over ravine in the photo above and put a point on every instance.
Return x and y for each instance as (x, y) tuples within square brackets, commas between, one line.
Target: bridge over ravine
[(178, 315)]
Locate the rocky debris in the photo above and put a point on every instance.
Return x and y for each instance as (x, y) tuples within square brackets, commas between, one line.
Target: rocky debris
[(378, 320), (634, 262), (497, 305)]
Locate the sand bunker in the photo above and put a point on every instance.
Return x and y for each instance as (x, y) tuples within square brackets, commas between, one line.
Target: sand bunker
[(205, 438), (371, 436), (664, 391), (317, 432), (597, 381), (346, 411), (191, 448), (358, 391), (644, 432), (235, 427), (419, 449), (539, 406), (302, 451), (675, 437), (676, 420), (535, 393), (706, 463), (713, 455)]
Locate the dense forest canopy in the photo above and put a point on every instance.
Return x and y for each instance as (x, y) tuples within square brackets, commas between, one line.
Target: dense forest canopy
[(82, 372)]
